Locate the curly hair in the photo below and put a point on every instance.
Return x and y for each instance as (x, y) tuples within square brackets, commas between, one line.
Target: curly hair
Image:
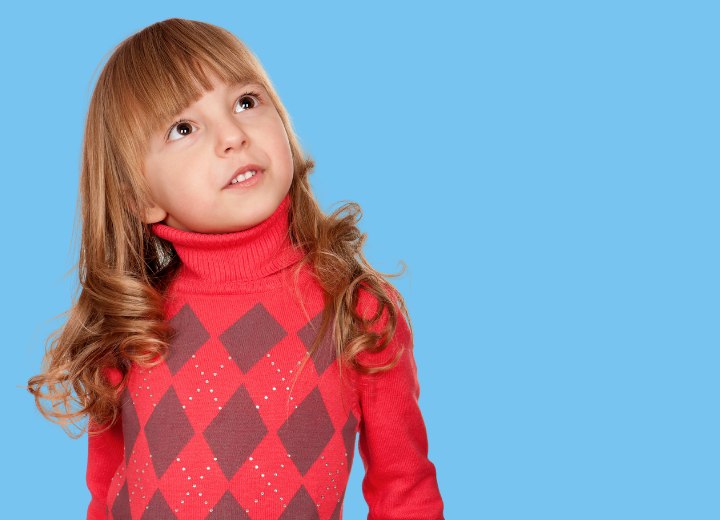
[(117, 317)]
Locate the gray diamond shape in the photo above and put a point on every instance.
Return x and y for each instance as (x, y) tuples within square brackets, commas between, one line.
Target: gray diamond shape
[(121, 506), (227, 508), (336, 511), (188, 336), (252, 336), (325, 353), (130, 422), (307, 431), (158, 509), (235, 432), (300, 507), (349, 436), (168, 431)]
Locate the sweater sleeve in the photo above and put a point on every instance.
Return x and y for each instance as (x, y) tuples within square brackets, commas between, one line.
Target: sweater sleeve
[(400, 481), (105, 453)]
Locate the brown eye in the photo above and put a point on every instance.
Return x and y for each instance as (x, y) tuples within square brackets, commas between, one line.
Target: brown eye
[(247, 100), (183, 128)]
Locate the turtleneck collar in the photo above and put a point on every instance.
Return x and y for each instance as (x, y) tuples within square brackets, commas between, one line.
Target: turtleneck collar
[(243, 256)]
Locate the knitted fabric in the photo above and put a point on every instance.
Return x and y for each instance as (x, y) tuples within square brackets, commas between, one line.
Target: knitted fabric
[(229, 427)]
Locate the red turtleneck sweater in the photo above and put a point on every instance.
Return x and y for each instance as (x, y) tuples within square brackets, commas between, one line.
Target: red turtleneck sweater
[(222, 429)]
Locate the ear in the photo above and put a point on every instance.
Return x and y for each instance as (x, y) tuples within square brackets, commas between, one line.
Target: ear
[(154, 214), (149, 215)]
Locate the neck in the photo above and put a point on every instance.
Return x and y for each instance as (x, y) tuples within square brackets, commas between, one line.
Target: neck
[(248, 255)]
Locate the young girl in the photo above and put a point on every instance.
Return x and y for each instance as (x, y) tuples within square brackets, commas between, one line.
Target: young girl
[(229, 340)]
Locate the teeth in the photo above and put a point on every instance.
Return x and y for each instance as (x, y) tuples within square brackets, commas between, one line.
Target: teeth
[(243, 177)]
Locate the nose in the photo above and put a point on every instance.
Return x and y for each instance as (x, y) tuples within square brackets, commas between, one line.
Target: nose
[(230, 136)]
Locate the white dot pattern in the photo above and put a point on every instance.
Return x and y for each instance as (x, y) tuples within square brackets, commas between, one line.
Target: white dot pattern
[(282, 471)]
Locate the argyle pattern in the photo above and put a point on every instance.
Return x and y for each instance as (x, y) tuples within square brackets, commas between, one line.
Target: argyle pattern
[(237, 421), (221, 429)]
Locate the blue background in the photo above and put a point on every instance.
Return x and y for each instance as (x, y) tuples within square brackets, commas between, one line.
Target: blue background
[(547, 170)]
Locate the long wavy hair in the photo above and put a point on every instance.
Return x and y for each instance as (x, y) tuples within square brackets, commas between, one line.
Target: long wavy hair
[(117, 315)]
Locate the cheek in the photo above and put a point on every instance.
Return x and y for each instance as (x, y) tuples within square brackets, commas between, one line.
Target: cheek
[(153, 178), (178, 186), (281, 143), (283, 146)]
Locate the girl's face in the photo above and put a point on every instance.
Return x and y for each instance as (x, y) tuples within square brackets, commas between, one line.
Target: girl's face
[(189, 165)]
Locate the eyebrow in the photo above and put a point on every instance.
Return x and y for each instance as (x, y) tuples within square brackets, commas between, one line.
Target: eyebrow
[(245, 84)]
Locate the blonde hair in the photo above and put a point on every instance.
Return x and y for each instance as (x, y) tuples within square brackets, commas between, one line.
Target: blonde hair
[(117, 318)]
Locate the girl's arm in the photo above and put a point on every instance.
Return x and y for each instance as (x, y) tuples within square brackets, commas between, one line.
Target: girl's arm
[(400, 481), (105, 453)]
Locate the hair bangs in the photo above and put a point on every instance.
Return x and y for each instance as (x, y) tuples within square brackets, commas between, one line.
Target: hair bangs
[(167, 67)]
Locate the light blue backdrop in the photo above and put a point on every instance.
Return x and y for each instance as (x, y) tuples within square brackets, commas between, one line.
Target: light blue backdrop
[(547, 170)]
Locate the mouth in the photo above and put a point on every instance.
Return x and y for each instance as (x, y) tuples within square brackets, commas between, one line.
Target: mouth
[(243, 173)]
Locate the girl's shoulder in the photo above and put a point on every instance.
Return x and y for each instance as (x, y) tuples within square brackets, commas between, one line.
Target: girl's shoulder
[(367, 304), (367, 307)]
